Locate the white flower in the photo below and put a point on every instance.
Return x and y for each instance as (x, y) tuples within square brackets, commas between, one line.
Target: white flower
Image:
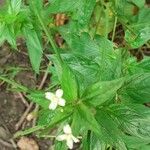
[(56, 99), (67, 136)]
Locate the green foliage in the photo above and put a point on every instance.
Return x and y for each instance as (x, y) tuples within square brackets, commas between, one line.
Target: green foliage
[(136, 89), (138, 32), (15, 21), (105, 89), (34, 47), (69, 84), (98, 93)]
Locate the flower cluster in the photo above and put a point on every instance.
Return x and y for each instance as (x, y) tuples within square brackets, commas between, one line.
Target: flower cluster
[(55, 100), (68, 136)]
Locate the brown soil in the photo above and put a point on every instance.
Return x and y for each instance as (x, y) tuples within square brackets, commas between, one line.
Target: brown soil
[(16, 65)]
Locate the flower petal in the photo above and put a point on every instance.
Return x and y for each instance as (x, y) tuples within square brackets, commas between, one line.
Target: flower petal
[(49, 95), (61, 137), (70, 143), (61, 102), (59, 93), (75, 139), (67, 129), (53, 105)]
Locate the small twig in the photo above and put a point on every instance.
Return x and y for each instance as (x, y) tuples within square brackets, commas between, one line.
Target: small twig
[(23, 99), (13, 144), (2, 83), (17, 126), (44, 78), (7, 144)]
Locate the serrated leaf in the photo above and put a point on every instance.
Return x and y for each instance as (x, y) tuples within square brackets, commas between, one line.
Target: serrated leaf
[(7, 34), (84, 11), (136, 89), (100, 51), (138, 67), (82, 67), (69, 84), (132, 119), (102, 91), (84, 120), (133, 142), (47, 117), (34, 46), (68, 80), (15, 6), (109, 59), (118, 120), (97, 143), (109, 127), (139, 29)]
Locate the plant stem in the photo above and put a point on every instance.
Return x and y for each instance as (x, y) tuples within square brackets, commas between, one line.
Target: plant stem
[(46, 136), (13, 83), (49, 36), (107, 20), (114, 29)]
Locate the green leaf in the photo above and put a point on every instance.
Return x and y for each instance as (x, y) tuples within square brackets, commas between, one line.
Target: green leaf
[(109, 59), (54, 117), (37, 4), (28, 131), (39, 98), (82, 10), (82, 67), (140, 3), (84, 120), (109, 127), (47, 117), (139, 29), (138, 67), (69, 84), (34, 48), (99, 51), (132, 119), (7, 33), (86, 141), (2, 33), (15, 84), (136, 89), (58, 6), (124, 9), (119, 120), (60, 146), (97, 143), (102, 91), (15, 6), (135, 142)]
